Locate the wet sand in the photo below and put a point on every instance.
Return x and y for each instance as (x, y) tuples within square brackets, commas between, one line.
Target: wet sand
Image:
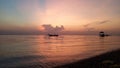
[(107, 60)]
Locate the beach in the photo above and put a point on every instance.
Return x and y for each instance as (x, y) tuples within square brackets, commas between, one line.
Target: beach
[(107, 60)]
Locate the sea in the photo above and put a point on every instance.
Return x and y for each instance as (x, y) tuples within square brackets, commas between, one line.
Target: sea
[(40, 51)]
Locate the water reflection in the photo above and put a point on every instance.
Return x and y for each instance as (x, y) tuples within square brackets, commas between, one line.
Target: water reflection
[(70, 49), (54, 50), (59, 50)]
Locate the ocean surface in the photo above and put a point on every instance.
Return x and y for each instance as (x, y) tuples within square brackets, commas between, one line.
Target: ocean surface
[(39, 51)]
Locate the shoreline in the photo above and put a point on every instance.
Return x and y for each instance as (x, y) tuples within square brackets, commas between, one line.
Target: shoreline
[(107, 60)]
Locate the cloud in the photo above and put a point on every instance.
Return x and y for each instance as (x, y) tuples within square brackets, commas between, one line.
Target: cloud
[(90, 27), (103, 22), (97, 23), (52, 30)]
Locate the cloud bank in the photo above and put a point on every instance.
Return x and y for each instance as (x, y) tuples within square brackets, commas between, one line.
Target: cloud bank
[(48, 29)]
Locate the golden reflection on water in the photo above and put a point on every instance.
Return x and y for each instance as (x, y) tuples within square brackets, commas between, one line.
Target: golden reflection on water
[(68, 49), (60, 50), (55, 50)]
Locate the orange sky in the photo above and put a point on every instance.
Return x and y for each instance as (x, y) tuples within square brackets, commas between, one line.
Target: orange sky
[(73, 14)]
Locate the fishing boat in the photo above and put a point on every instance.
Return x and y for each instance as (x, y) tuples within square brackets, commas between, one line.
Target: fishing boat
[(102, 34), (53, 35)]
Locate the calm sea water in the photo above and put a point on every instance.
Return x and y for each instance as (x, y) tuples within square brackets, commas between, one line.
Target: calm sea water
[(38, 51)]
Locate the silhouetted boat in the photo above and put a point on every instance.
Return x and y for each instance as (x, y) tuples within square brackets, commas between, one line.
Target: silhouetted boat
[(102, 34), (53, 35)]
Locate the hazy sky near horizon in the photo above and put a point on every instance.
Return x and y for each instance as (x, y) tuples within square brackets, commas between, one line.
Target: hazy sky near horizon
[(75, 15)]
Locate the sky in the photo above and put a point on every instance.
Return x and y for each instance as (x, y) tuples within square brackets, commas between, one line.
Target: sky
[(77, 16)]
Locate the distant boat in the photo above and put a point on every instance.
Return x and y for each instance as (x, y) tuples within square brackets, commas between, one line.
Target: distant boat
[(53, 35), (102, 34)]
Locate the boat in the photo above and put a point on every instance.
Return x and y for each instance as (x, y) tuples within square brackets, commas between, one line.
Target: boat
[(102, 34), (53, 35)]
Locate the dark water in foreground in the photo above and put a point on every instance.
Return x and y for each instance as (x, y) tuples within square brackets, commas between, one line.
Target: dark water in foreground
[(37, 51)]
